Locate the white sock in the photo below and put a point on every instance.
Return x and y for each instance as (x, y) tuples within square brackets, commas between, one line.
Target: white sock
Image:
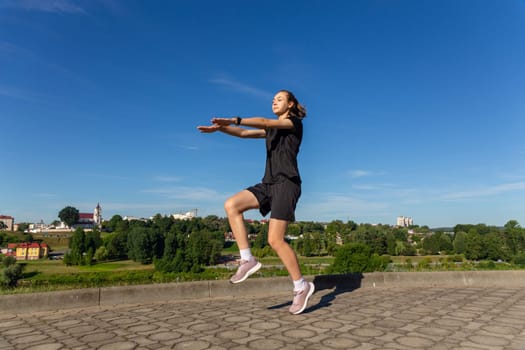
[(246, 254), (298, 285)]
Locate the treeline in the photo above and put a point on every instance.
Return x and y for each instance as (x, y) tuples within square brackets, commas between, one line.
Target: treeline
[(172, 245), (474, 242), (10, 237)]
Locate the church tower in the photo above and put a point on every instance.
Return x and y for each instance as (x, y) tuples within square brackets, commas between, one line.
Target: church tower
[(97, 216)]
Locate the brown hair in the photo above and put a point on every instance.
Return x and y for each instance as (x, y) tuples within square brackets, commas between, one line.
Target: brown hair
[(297, 110)]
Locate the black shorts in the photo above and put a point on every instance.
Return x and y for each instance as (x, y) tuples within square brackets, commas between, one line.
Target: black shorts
[(280, 199)]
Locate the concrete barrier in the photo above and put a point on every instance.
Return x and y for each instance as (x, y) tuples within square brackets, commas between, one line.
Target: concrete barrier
[(445, 278), (149, 293), (107, 296), (22, 303)]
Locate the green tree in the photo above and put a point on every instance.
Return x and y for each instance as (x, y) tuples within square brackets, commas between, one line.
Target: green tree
[(431, 244), (445, 242), (391, 244), (101, 254), (213, 223), (204, 248), (336, 226), (77, 245), (162, 223), (93, 240), (308, 244), (11, 273), (8, 261), (473, 248), (493, 248), (171, 244), (460, 243), (23, 226), (69, 215), (401, 234), (294, 229), (261, 240), (310, 226), (352, 257), (401, 248), (140, 245), (113, 223), (514, 237), (116, 244), (372, 236)]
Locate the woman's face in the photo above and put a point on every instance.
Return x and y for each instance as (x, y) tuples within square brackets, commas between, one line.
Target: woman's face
[(280, 103)]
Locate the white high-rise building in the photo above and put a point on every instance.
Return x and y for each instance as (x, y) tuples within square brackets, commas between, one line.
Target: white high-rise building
[(404, 221)]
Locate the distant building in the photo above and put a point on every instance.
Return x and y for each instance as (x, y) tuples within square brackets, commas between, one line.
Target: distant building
[(134, 218), (403, 221), (186, 216), (27, 250), (90, 220), (37, 227), (8, 221)]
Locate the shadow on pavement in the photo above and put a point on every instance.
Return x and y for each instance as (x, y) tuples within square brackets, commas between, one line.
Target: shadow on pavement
[(339, 284)]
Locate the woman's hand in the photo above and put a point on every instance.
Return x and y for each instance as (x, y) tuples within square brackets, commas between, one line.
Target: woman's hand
[(223, 121), (209, 128)]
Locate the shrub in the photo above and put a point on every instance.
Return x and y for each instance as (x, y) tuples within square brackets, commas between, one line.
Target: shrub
[(456, 258), (11, 274), (8, 261), (378, 263), (408, 264), (352, 257), (424, 264), (519, 260)]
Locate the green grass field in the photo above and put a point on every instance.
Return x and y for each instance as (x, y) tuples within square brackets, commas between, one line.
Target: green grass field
[(312, 260), (53, 267), (49, 275)]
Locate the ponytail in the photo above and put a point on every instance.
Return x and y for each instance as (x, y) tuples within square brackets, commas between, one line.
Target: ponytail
[(297, 110)]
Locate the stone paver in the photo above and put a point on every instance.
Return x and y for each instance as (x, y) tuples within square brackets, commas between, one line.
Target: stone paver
[(465, 318)]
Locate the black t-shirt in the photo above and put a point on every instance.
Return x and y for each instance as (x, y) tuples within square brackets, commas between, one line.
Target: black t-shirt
[(282, 147)]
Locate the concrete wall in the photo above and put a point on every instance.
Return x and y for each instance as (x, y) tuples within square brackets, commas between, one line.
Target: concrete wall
[(108, 296)]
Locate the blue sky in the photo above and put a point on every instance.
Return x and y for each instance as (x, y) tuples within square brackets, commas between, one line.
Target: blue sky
[(415, 108)]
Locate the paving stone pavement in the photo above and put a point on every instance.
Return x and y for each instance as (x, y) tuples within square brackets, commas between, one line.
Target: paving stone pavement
[(465, 318)]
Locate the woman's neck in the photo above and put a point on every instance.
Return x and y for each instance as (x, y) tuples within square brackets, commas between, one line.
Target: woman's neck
[(283, 116)]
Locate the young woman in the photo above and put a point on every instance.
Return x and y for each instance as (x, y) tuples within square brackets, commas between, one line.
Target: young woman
[(278, 192)]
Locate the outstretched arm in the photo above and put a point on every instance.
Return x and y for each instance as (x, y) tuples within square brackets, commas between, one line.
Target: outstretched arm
[(233, 131), (256, 122)]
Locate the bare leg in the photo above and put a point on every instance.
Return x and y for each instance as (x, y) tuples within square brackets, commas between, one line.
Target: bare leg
[(276, 232), (235, 206)]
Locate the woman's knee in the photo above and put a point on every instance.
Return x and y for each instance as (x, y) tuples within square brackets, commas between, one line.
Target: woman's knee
[(231, 206), (276, 243)]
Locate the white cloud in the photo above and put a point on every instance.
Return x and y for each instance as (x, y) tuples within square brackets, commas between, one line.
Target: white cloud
[(45, 195), (366, 187), (51, 6), (357, 173), (11, 92), (8, 48), (240, 87), (333, 206), (191, 148), (189, 194), (485, 191), (107, 176), (116, 206), (167, 178)]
